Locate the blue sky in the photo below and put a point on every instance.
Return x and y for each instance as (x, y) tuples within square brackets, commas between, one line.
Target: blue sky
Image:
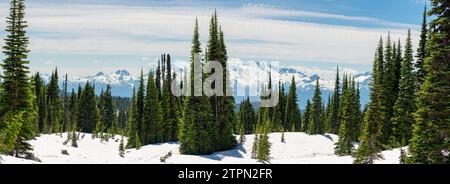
[(83, 37)]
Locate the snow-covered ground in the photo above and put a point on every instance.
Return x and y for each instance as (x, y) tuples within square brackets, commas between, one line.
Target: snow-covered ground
[(299, 148)]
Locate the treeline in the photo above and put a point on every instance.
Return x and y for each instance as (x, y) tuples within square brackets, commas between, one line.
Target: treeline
[(409, 103)]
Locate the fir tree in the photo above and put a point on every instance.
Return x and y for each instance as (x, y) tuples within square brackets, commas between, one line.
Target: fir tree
[(292, 112), (370, 145), (54, 106), (334, 117), (316, 125), (40, 92), (346, 130), (404, 107), (263, 150), (17, 97), (307, 115), (152, 124), (121, 148), (223, 106), (107, 110), (389, 93), (133, 121), (430, 142), (196, 134), (87, 114), (421, 52)]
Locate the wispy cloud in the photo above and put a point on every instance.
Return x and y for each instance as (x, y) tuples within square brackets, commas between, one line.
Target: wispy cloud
[(252, 31)]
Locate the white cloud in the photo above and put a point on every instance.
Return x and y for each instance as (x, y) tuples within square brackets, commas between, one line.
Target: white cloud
[(103, 29)]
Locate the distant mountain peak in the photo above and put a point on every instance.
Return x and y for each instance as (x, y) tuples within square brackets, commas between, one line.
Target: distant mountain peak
[(122, 72)]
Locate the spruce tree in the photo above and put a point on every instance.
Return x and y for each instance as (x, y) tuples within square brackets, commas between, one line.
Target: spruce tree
[(107, 110), (430, 142), (263, 150), (152, 124), (334, 117), (307, 116), (292, 112), (421, 52), (133, 123), (169, 105), (196, 134), (316, 125), (87, 114), (121, 148), (54, 106), (390, 91), (223, 106), (346, 130), (40, 93), (246, 116), (404, 106), (140, 105), (17, 97), (370, 146)]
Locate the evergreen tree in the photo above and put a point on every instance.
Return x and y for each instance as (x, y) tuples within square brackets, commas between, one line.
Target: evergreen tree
[(133, 123), (40, 93), (65, 106), (73, 108), (421, 52), (334, 117), (107, 110), (54, 106), (345, 144), (404, 106), (169, 107), (196, 134), (390, 92), (139, 105), (246, 116), (223, 106), (152, 127), (430, 142), (263, 150), (121, 148), (316, 125), (17, 97), (292, 112), (307, 116), (87, 114), (370, 145)]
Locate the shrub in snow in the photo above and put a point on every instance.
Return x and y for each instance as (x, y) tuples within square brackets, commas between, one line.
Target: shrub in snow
[(165, 157), (64, 152)]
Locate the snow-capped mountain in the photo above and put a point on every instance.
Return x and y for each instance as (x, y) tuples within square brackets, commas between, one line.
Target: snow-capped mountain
[(247, 78)]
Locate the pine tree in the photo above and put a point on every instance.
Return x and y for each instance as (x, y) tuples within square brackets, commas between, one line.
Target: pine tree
[(40, 93), (87, 114), (152, 124), (169, 107), (404, 106), (316, 125), (196, 134), (17, 97), (107, 111), (65, 106), (54, 106), (121, 148), (246, 116), (292, 112), (140, 105), (133, 121), (370, 145), (421, 52), (223, 106), (390, 91), (334, 117), (346, 130), (263, 150), (430, 142), (307, 115)]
